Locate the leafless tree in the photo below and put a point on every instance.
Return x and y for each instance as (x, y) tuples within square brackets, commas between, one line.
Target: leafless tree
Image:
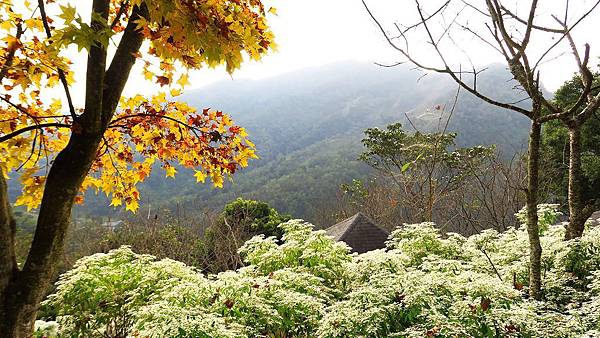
[(488, 198), (491, 197), (510, 35)]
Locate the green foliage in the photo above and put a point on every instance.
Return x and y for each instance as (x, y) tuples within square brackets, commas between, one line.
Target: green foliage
[(396, 152), (255, 217), (357, 191), (555, 140), (424, 168), (307, 285)]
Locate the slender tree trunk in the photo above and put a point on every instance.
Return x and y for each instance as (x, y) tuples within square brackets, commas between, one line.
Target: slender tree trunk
[(535, 248), (578, 212), (28, 287)]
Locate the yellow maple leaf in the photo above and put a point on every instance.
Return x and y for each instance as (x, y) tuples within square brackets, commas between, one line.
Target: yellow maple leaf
[(148, 75), (200, 176), (170, 171), (183, 80), (6, 25), (132, 205), (217, 179), (175, 92), (115, 202)]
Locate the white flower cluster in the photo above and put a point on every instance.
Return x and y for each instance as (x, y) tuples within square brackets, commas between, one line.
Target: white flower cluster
[(43, 329), (422, 285)]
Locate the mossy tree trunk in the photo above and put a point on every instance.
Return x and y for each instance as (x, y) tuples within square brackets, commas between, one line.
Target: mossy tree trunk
[(579, 211), (535, 248)]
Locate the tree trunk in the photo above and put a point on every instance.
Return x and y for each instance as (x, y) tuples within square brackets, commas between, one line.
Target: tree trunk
[(28, 287), (578, 213), (22, 291), (535, 248), (8, 262), (70, 167)]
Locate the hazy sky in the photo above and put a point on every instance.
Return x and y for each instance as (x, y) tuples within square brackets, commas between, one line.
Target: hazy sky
[(315, 32)]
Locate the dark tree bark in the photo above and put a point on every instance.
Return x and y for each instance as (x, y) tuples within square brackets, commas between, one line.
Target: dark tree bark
[(21, 291), (29, 286), (535, 248), (579, 211), (8, 262)]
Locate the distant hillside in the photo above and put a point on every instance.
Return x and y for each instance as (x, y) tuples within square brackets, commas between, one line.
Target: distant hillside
[(307, 126)]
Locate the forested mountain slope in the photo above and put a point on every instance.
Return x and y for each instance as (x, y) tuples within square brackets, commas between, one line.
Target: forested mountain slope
[(307, 126)]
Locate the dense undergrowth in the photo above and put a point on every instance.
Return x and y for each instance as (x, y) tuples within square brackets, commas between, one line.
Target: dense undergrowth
[(306, 285)]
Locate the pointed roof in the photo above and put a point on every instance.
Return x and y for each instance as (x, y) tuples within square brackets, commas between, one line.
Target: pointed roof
[(360, 233)]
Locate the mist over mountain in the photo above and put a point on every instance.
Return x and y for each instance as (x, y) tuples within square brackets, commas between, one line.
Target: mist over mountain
[(307, 127)]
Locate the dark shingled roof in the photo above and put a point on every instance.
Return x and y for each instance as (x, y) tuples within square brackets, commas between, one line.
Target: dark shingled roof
[(360, 233)]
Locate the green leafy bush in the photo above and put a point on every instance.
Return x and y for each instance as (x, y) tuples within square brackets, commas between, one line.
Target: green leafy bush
[(256, 217)]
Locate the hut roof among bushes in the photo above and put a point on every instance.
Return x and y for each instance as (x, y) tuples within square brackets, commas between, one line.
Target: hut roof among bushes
[(360, 233)]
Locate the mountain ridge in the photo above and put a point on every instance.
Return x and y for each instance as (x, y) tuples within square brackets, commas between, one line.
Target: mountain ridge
[(307, 126)]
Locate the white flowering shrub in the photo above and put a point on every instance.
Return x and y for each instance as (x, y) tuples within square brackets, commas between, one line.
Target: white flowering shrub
[(302, 250), (306, 285), (43, 329), (103, 293), (548, 215), (417, 241)]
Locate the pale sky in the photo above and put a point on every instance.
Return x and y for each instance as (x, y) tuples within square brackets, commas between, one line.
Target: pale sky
[(316, 32)]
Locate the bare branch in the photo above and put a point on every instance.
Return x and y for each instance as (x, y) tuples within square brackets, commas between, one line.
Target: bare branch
[(390, 65), (445, 70), (529, 26), (540, 28), (559, 40)]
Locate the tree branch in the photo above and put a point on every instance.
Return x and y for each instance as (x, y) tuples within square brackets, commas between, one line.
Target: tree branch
[(122, 118), (96, 71), (446, 70), (120, 67), (32, 127), (11, 54), (61, 73), (541, 28), (121, 11)]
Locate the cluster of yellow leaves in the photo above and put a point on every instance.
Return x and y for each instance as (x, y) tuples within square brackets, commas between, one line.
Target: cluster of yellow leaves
[(207, 32), (193, 33), (29, 66), (145, 132)]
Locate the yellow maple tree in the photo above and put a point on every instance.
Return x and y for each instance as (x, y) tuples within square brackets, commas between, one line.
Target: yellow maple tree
[(182, 35), (111, 143)]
